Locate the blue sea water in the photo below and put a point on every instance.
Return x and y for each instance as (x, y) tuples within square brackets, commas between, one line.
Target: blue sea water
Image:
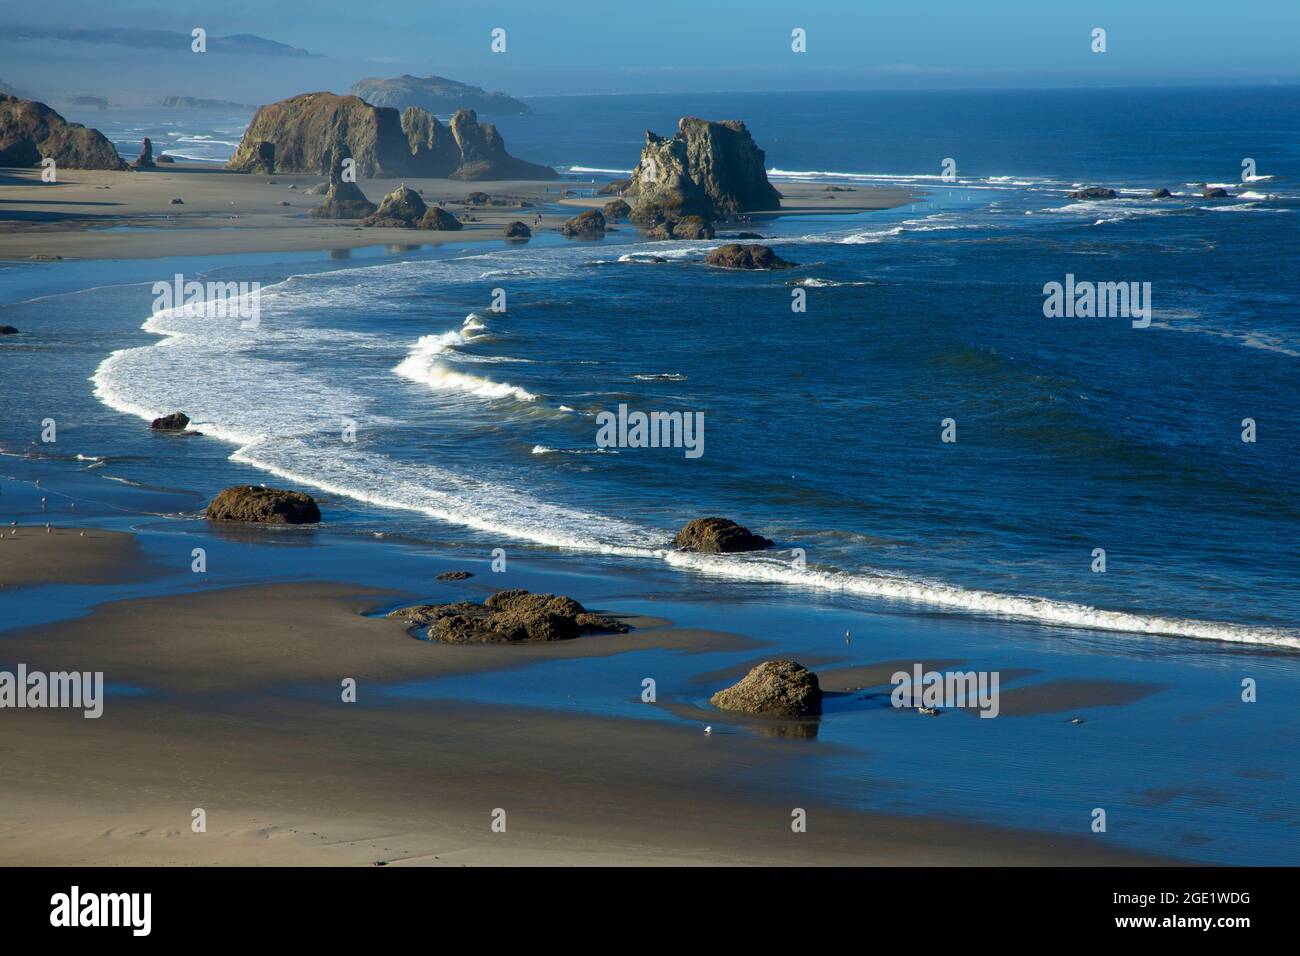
[(823, 427)]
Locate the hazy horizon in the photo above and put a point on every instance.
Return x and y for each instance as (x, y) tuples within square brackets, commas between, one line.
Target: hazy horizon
[(622, 49)]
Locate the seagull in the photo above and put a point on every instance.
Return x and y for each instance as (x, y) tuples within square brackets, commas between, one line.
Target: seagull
[(847, 638), (708, 729)]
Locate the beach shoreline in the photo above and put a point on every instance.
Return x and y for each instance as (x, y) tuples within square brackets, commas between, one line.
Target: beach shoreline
[(129, 215)]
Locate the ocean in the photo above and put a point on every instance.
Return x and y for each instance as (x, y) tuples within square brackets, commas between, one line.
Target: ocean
[(385, 381)]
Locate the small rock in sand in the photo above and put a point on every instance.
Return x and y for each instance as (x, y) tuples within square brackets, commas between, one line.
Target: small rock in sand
[(773, 689)]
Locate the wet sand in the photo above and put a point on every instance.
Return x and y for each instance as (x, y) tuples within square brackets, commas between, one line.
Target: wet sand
[(236, 709), (92, 214)]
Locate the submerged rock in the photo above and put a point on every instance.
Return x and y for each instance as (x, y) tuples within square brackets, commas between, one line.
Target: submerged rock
[(735, 256), (718, 536), (1160, 194), (585, 225), (517, 230), (773, 689), (1093, 192), (1215, 192), (508, 617), (343, 199), (453, 576), (174, 422), (254, 503)]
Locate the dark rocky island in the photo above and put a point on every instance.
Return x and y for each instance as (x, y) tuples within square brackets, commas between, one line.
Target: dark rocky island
[(253, 503), (735, 256)]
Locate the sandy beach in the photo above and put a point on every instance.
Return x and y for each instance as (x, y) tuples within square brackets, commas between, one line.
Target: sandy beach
[(129, 215), (236, 709)]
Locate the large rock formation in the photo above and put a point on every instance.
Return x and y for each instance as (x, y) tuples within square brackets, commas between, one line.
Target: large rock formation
[(31, 131), (735, 256), (507, 616), (343, 199), (254, 503), (718, 536), (435, 94), (304, 129), (714, 170), (175, 422), (518, 230), (774, 689)]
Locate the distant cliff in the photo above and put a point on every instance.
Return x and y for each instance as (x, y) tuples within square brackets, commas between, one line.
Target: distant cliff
[(715, 170), (436, 94), (31, 131), (303, 130), (198, 103)]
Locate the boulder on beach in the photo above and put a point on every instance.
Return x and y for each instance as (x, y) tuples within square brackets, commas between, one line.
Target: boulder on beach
[(1160, 194), (508, 617), (708, 169), (1093, 192), (437, 218), (145, 159), (477, 198), (30, 131), (617, 209), (174, 422), (164, 158), (517, 230), (1215, 192), (773, 689), (718, 536), (176, 201), (735, 256), (401, 209), (585, 225), (343, 199), (254, 503)]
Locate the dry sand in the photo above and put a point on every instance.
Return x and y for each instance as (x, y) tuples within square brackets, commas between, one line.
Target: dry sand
[(240, 714), (128, 215)]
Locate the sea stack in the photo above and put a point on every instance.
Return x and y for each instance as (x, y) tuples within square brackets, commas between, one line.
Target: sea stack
[(145, 159), (707, 169), (343, 199)]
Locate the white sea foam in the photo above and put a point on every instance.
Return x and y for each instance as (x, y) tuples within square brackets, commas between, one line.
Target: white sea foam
[(427, 363)]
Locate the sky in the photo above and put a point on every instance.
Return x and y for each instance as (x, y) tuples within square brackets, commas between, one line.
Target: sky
[(628, 46)]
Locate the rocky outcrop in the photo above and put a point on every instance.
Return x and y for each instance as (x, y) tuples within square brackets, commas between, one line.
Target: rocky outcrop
[(616, 188), (690, 227), (616, 209), (261, 159), (435, 94), (253, 503), (585, 225), (483, 153), (8, 330), (518, 230), (718, 536), (145, 159), (343, 199), (304, 129), (507, 617), (1215, 192), (439, 219), (175, 422), (773, 689), (401, 209), (735, 256), (714, 170), (31, 131), (1160, 194), (477, 198), (1093, 192)]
